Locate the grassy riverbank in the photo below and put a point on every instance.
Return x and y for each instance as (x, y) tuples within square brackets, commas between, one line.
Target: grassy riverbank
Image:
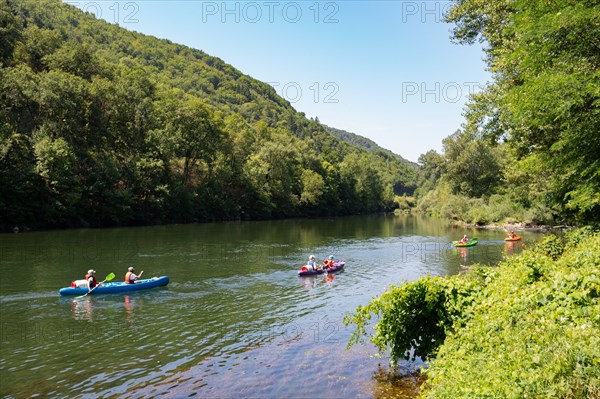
[(527, 328)]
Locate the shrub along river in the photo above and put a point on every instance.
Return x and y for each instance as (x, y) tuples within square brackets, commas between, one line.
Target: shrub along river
[(235, 320)]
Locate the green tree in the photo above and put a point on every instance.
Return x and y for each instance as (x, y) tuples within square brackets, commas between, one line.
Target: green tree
[(191, 134), (473, 167), (313, 185), (432, 166), (74, 58), (366, 181), (19, 193), (544, 100), (56, 165), (19, 105), (275, 170), (37, 43), (10, 33)]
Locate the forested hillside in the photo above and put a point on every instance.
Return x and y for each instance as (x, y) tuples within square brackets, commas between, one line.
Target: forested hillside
[(404, 186), (102, 126), (529, 150)]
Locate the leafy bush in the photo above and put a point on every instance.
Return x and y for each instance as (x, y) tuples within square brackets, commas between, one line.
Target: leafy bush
[(404, 202), (416, 316), (552, 246), (478, 213)]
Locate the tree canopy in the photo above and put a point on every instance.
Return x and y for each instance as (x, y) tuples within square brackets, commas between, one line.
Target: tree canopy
[(537, 123)]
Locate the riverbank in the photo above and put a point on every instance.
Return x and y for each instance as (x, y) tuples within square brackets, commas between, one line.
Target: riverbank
[(527, 328), (513, 226), (523, 226)]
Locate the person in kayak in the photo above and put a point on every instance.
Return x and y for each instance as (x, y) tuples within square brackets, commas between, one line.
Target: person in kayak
[(328, 263), (464, 240), (131, 277), (312, 264), (512, 235), (90, 277)]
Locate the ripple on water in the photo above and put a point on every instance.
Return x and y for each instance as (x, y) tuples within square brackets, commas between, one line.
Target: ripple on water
[(247, 328)]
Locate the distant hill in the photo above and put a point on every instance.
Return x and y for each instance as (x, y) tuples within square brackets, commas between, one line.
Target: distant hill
[(102, 126), (366, 143)]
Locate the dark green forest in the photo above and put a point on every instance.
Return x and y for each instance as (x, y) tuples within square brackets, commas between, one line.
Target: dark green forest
[(529, 149), (100, 126), (401, 187)]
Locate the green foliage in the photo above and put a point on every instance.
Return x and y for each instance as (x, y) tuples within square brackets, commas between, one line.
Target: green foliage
[(18, 181), (432, 166), (415, 317), (551, 246), (101, 126), (55, 164), (404, 202), (473, 167), (396, 170), (528, 328), (312, 187), (544, 100), (531, 337), (498, 208), (10, 33)]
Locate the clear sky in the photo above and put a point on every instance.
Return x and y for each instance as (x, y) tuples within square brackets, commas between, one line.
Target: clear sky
[(386, 70)]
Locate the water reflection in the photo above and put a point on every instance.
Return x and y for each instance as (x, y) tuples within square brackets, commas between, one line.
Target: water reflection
[(311, 282), (463, 254), (329, 280), (512, 247), (132, 303), (82, 308)]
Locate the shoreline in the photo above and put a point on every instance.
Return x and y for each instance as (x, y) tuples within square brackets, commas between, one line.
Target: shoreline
[(519, 227)]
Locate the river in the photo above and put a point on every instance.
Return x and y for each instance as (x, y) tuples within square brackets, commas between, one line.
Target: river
[(235, 320)]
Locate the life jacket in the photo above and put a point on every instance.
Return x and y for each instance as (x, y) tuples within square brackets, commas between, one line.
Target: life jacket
[(128, 278), (94, 281), (328, 263)]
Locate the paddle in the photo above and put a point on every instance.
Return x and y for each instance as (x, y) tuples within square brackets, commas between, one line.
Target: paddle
[(108, 278)]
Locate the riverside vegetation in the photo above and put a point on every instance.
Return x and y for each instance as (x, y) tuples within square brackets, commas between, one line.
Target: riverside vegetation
[(527, 328), (528, 150), (102, 126)]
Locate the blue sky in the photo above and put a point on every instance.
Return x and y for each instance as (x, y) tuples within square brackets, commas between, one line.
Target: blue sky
[(386, 70)]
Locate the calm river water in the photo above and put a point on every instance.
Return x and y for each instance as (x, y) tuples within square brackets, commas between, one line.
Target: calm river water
[(235, 321)]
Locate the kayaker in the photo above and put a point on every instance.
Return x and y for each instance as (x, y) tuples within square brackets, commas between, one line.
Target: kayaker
[(328, 263), (312, 264), (90, 277), (131, 277), (464, 240), (512, 235)]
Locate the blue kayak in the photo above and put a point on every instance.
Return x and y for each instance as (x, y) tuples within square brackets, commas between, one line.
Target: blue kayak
[(338, 266), (109, 288)]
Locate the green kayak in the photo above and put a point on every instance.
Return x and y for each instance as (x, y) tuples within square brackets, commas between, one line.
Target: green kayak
[(469, 243)]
